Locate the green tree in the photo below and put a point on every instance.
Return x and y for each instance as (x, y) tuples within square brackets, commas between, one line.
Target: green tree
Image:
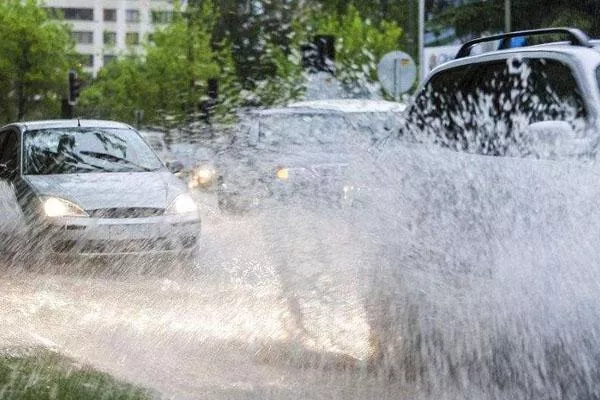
[(35, 55), (473, 18), (360, 44), (169, 83), (255, 28), (403, 13), (117, 92)]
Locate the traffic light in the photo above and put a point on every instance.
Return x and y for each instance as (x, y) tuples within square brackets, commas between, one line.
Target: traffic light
[(208, 104), (325, 45), (212, 88), (319, 55), (74, 87)]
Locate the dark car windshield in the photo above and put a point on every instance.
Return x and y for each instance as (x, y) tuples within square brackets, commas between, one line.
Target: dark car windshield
[(80, 150)]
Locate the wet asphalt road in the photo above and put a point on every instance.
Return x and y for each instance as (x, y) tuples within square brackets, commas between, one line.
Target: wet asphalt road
[(230, 326)]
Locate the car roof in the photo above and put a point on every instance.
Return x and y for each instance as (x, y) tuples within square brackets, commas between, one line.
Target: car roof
[(333, 106), (588, 55), (68, 123), (351, 105)]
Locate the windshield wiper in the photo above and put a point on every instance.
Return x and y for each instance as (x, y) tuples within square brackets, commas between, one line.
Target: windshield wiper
[(112, 157)]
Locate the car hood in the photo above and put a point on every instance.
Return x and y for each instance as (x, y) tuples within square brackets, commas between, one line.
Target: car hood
[(91, 191)]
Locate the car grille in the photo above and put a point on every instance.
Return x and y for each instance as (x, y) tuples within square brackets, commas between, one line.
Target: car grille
[(123, 246), (132, 212)]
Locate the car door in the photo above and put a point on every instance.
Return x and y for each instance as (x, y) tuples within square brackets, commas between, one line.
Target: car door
[(12, 221)]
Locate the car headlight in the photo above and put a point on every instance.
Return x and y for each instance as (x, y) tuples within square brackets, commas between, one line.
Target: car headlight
[(282, 173), (183, 204), (202, 175), (57, 207)]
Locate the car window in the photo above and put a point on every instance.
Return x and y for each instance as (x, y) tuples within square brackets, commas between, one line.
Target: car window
[(79, 150), (9, 150), (486, 108)]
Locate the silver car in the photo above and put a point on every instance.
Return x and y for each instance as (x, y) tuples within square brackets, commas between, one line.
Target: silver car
[(301, 153), (92, 188)]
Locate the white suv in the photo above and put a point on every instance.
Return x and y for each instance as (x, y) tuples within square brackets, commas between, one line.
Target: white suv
[(442, 311), (540, 97)]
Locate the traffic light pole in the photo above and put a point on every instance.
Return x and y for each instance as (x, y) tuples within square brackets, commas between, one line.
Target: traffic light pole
[(507, 16), (421, 39), (66, 111)]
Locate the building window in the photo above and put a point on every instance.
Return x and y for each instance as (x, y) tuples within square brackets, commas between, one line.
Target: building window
[(132, 15), (78, 14), (109, 58), (110, 38), (87, 60), (83, 37), (72, 14), (110, 14), (132, 38), (162, 17)]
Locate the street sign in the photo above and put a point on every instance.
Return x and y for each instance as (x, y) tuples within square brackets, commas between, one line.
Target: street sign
[(397, 73)]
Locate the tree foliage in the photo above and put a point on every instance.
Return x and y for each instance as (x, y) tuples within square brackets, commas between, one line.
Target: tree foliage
[(359, 45), (473, 18), (168, 84), (257, 60), (35, 55)]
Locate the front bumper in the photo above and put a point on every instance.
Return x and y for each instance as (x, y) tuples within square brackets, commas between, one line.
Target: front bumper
[(286, 192), (120, 236)]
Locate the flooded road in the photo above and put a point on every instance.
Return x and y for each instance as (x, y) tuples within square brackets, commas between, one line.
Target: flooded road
[(462, 277), (221, 329)]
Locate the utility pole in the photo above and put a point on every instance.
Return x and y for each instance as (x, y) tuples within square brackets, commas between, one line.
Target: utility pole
[(507, 16), (421, 39)]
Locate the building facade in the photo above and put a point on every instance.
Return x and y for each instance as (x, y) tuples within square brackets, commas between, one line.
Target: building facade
[(105, 29)]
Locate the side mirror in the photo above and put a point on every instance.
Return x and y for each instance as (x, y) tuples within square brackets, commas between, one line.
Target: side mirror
[(175, 166), (551, 131), (550, 139)]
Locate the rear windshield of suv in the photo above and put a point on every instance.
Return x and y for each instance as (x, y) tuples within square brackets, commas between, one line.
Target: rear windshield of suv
[(484, 108)]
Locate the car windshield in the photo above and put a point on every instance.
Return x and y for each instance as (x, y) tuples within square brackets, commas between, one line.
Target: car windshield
[(332, 130), (81, 150)]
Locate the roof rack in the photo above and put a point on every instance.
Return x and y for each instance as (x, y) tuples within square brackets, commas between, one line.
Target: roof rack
[(576, 36)]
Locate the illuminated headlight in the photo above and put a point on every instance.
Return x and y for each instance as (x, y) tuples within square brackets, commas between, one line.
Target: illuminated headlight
[(205, 174), (57, 207), (183, 204), (282, 173), (202, 176)]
